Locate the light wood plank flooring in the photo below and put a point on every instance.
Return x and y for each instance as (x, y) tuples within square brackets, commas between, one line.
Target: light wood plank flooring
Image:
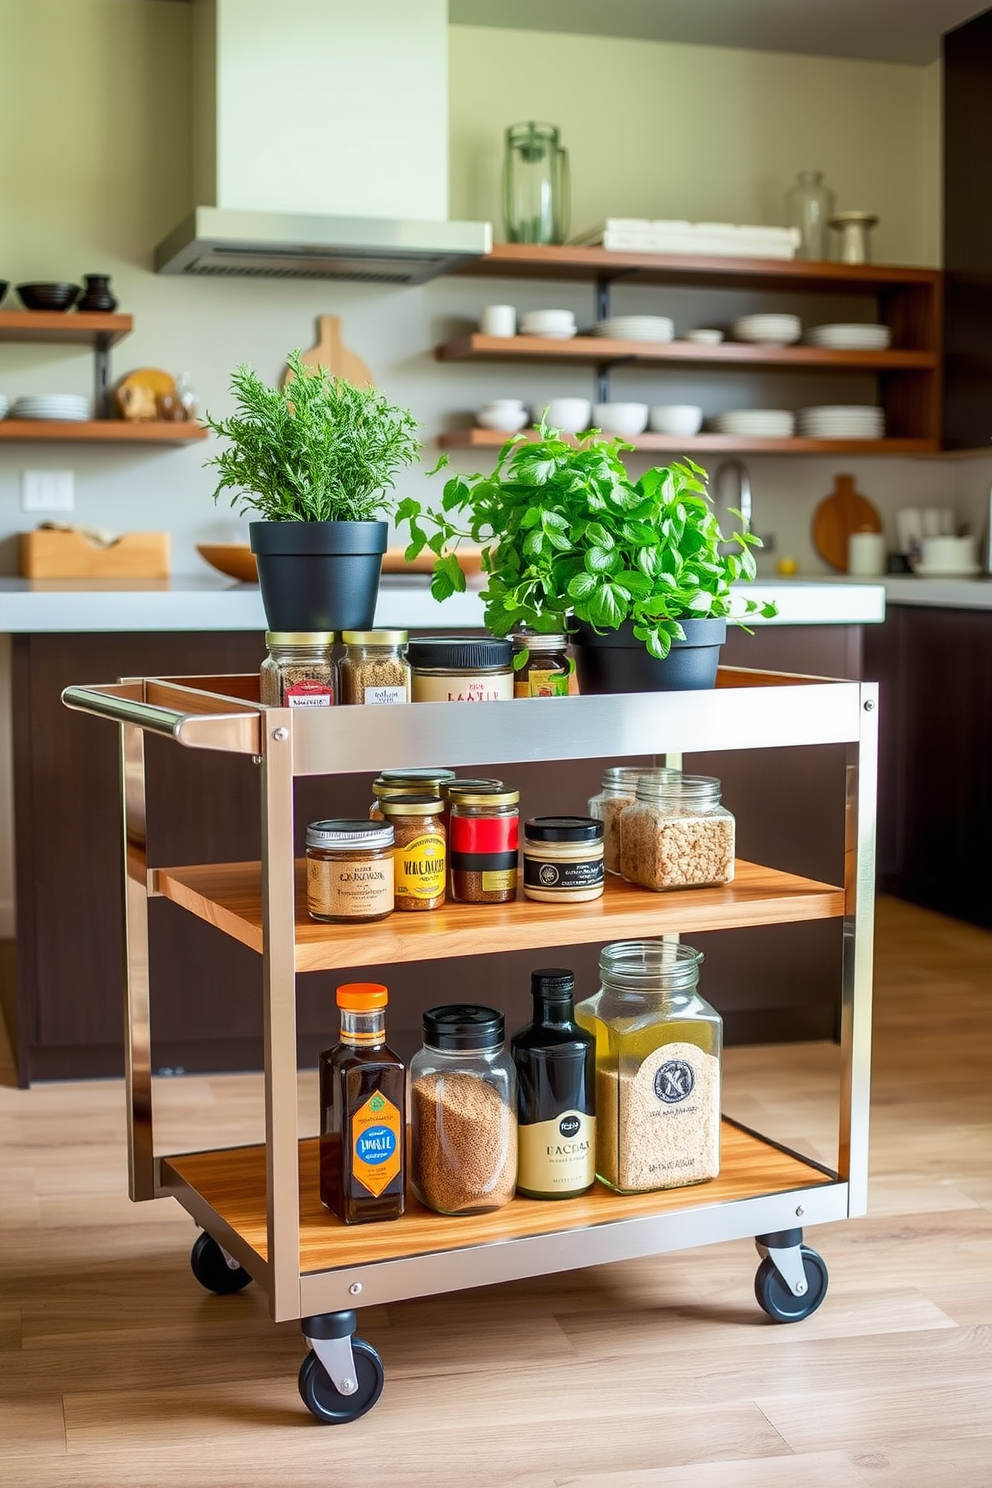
[(117, 1369)]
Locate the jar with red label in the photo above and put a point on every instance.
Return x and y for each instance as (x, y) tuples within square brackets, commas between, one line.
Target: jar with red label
[(299, 670), (483, 843)]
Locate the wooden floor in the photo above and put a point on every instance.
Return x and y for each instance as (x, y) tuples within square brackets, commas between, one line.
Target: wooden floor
[(118, 1371)]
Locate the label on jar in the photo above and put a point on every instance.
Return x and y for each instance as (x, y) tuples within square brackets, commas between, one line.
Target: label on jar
[(557, 1156), (541, 684), (421, 868), (376, 1143), (563, 877), (499, 880), (309, 694), (377, 695), (484, 687), (660, 1127), (350, 889)]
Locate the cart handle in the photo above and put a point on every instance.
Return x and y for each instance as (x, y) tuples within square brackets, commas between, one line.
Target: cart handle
[(234, 733)]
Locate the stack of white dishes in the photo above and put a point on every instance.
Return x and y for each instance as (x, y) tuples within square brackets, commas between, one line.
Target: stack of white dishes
[(64, 407), (507, 415), (756, 423), (636, 328), (4, 405), (768, 330), (627, 419), (556, 325), (860, 337), (948, 557), (840, 421)]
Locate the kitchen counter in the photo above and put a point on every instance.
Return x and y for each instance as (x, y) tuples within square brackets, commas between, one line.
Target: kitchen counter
[(207, 604)]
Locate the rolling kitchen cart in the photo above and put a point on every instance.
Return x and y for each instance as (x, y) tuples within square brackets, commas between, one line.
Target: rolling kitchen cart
[(259, 1207)]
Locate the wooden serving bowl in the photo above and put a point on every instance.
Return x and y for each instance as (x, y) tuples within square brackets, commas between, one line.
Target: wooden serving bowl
[(234, 559)]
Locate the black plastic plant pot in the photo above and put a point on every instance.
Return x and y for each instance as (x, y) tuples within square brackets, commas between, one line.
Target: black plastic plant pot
[(617, 661), (319, 575)]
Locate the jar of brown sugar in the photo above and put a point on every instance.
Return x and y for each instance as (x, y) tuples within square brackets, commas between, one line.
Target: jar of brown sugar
[(299, 670), (676, 835), (373, 669), (349, 871), (420, 860), (463, 1112)]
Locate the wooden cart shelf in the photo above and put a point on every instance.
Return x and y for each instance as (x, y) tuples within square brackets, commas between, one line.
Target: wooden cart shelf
[(232, 1183), (229, 896), (595, 350)]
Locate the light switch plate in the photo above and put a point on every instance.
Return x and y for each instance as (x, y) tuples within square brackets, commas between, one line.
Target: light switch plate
[(48, 490)]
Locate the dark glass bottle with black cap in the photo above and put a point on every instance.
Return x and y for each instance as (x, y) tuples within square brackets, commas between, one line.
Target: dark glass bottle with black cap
[(556, 1113)]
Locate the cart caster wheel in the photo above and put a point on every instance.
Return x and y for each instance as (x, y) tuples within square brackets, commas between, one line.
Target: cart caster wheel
[(775, 1298), (324, 1401), (211, 1270)]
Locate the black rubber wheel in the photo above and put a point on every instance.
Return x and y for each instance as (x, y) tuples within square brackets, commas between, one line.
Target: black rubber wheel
[(774, 1296), (325, 1402), (212, 1271)]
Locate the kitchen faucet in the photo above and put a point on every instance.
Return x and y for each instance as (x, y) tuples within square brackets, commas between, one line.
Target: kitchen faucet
[(738, 469)]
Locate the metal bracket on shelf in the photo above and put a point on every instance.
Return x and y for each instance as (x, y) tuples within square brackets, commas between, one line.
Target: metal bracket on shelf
[(101, 357)]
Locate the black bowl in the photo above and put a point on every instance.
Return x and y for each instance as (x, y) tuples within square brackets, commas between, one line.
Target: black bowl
[(4, 286), (48, 296)]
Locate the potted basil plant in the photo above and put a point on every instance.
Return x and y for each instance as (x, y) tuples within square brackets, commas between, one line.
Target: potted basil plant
[(636, 571), (317, 460)]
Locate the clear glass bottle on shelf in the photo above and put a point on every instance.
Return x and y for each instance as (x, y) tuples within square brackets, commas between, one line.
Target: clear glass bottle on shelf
[(535, 185), (658, 1051), (809, 207)]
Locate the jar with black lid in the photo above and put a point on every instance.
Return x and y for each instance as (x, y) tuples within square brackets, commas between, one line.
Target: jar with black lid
[(545, 669), (563, 859), (483, 843), (461, 669)]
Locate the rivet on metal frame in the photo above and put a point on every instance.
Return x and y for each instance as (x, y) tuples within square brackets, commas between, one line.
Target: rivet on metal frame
[(281, 734)]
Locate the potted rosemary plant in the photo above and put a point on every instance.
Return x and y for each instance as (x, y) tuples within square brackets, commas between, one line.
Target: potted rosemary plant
[(636, 571), (316, 460)]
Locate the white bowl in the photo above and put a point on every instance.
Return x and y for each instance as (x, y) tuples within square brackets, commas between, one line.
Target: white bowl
[(570, 415), (768, 330), (951, 554), (620, 418), (506, 420), (705, 337), (676, 418), (496, 404)]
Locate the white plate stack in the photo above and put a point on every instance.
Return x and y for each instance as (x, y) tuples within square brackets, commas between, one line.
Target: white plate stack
[(861, 337), (4, 405), (636, 328), (62, 407), (840, 421), (768, 330), (555, 325), (756, 423)]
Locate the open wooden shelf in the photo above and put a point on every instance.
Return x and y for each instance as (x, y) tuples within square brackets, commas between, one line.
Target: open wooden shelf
[(232, 1182), (101, 431), (69, 327), (229, 896), (598, 350), (475, 438)]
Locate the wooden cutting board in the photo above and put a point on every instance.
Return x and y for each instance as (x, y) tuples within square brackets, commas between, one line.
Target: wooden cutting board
[(330, 351), (844, 511)]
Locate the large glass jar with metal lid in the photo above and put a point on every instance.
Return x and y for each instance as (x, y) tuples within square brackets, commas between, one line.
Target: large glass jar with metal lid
[(374, 669), (483, 842), (349, 870), (426, 781), (677, 835), (658, 1051), (541, 665), (619, 791), (463, 1109), (299, 670)]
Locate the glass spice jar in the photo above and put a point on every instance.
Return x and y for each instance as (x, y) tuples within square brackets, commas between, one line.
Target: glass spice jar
[(299, 669), (461, 669), (463, 1108), (420, 860), (658, 1047), (619, 791), (483, 843), (676, 835), (563, 859), (373, 669), (427, 781), (545, 669), (349, 871)]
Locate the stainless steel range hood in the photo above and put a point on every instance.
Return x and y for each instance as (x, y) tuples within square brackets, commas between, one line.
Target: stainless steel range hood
[(289, 245)]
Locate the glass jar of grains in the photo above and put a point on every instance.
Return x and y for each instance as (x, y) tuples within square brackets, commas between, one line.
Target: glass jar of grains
[(619, 791), (483, 843), (676, 835), (349, 871), (563, 859), (463, 1108), (461, 669), (373, 669), (423, 782), (658, 1047), (545, 668), (299, 669), (420, 861)]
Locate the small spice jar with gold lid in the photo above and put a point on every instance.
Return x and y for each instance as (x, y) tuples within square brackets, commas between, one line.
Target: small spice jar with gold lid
[(426, 781), (541, 665), (483, 843), (420, 856), (374, 669), (299, 670)]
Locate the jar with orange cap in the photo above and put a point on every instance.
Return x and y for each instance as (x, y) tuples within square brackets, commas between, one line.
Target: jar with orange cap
[(362, 1112)]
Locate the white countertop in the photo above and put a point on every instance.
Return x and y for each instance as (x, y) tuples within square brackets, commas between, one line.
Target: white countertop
[(205, 603)]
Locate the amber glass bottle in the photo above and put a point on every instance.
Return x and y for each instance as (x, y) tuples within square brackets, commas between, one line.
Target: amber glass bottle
[(362, 1113)]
